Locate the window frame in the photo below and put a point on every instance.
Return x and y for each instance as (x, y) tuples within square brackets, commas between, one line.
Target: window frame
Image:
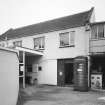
[(2, 44), (98, 36), (16, 45), (69, 45), (42, 38), (97, 29)]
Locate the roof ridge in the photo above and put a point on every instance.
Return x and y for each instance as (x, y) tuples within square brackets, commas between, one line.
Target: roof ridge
[(89, 15)]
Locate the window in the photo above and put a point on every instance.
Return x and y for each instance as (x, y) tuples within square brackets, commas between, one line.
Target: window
[(17, 43), (94, 32), (97, 31), (67, 39), (2, 45), (39, 43), (72, 36), (101, 31)]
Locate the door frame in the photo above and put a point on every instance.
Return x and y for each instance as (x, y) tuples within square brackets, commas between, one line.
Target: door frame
[(61, 70)]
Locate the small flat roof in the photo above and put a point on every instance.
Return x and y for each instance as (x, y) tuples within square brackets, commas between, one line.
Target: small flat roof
[(8, 49), (31, 51), (101, 22)]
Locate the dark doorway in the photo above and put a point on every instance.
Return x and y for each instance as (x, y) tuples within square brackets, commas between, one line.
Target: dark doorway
[(69, 73), (98, 67)]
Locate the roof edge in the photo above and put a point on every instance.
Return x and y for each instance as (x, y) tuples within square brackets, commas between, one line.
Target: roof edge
[(44, 32), (100, 22), (8, 49), (3, 37), (13, 29), (89, 15)]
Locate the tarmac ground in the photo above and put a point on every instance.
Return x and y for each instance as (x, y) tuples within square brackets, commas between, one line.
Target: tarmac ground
[(53, 95)]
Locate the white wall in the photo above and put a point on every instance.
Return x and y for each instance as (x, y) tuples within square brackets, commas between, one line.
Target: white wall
[(52, 52), (48, 74), (9, 78)]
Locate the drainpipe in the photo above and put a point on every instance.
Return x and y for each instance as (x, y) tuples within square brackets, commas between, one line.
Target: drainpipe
[(24, 69), (88, 70), (88, 56)]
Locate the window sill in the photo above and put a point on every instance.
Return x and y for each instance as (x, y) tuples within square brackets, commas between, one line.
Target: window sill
[(66, 46), (39, 49), (95, 39)]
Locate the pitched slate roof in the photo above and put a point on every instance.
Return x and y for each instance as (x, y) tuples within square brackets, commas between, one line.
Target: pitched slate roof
[(71, 21)]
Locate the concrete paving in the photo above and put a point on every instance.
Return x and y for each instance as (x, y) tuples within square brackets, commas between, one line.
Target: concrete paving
[(53, 95)]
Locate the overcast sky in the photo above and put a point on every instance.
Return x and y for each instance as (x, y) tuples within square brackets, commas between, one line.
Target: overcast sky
[(18, 13)]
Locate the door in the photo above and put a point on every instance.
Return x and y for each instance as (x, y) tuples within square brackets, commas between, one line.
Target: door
[(60, 72), (69, 73)]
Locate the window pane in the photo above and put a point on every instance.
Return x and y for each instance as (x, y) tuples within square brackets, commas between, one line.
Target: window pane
[(64, 39), (101, 31), (43, 42), (20, 56), (94, 32), (39, 43), (72, 37)]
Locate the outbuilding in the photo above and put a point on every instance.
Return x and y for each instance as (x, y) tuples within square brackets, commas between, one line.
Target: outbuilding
[(9, 76)]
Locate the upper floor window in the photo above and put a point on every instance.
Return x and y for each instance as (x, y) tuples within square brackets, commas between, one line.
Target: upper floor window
[(67, 39), (39, 43), (17, 43), (98, 31), (2, 44)]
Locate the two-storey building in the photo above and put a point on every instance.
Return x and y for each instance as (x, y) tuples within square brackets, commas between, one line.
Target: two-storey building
[(52, 46)]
